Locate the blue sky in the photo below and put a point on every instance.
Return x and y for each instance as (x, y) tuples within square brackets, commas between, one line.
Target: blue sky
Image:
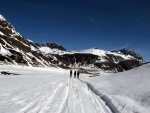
[(83, 24)]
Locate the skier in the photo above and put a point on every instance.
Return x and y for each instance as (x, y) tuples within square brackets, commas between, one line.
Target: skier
[(78, 74), (70, 73), (74, 74)]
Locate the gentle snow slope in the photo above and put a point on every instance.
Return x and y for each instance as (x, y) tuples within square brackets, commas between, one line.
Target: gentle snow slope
[(50, 90), (128, 91)]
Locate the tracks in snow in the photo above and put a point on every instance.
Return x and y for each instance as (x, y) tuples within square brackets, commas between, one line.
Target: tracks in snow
[(82, 99), (46, 102), (72, 96)]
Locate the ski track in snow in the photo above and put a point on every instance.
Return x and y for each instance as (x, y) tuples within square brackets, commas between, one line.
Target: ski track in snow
[(68, 96), (81, 98), (46, 104)]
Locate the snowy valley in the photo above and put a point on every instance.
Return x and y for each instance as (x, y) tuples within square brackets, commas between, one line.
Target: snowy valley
[(34, 78)]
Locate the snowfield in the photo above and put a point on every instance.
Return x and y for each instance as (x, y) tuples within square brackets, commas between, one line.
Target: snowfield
[(50, 90)]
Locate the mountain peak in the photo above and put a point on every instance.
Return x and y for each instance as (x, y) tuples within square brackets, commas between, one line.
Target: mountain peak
[(2, 18)]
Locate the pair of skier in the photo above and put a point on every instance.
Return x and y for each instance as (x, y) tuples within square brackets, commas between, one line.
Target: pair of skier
[(75, 73)]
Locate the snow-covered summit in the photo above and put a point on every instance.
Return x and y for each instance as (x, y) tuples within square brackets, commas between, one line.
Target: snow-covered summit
[(2, 18), (94, 51)]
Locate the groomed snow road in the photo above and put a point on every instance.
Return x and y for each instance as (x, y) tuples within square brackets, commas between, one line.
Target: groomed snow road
[(79, 98), (70, 96)]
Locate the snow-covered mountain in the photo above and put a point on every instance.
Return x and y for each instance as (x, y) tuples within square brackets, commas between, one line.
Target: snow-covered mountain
[(15, 49)]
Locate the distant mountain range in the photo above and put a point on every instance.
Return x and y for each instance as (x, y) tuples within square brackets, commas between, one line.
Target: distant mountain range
[(15, 49)]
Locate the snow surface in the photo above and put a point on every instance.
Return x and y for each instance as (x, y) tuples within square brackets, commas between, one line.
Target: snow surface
[(47, 50), (98, 52), (120, 54), (29, 40), (2, 33), (33, 48), (50, 90), (94, 51), (3, 51), (2, 18)]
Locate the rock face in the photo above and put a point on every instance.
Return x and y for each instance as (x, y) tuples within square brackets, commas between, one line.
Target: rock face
[(15, 49), (53, 46), (111, 61)]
